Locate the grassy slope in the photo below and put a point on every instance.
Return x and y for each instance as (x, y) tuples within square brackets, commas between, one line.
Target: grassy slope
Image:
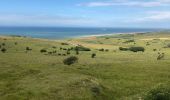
[(111, 75)]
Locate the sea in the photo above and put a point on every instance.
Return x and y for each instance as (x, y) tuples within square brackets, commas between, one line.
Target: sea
[(67, 32)]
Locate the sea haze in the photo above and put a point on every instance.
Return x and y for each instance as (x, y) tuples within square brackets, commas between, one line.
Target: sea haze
[(66, 32)]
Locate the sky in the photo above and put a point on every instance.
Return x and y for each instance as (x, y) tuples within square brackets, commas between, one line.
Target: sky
[(86, 13)]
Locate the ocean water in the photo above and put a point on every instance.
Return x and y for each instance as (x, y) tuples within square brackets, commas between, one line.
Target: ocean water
[(66, 32)]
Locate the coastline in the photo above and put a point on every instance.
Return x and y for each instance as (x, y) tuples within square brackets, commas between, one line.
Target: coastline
[(74, 37)]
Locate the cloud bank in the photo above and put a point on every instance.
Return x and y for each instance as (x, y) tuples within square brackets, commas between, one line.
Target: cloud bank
[(140, 3)]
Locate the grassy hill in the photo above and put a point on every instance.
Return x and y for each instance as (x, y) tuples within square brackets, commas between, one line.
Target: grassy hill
[(28, 74)]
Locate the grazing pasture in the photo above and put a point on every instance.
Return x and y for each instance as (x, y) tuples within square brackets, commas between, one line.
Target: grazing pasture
[(85, 69)]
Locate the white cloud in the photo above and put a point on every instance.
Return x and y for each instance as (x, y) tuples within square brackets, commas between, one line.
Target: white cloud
[(153, 16), (153, 3)]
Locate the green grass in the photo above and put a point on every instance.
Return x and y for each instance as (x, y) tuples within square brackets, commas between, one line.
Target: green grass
[(113, 75)]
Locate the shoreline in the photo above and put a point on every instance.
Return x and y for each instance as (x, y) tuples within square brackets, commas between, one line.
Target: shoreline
[(74, 37), (110, 34)]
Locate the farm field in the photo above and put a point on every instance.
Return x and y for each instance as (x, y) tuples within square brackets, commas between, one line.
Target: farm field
[(33, 69)]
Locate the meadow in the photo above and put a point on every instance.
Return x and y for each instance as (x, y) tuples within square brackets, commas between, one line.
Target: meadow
[(33, 69)]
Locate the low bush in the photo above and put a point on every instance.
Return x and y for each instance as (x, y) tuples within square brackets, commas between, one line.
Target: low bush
[(70, 60), (107, 50), (101, 49), (81, 48), (154, 49), (168, 45), (160, 56), (43, 50), (64, 44), (129, 41), (28, 49), (147, 43), (54, 47), (3, 44), (15, 43), (3, 50), (93, 55), (123, 49), (161, 92), (136, 49)]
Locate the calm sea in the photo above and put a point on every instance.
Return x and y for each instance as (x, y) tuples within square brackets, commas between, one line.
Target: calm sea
[(63, 32)]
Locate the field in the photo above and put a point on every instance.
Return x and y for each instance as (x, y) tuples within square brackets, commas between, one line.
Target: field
[(28, 74)]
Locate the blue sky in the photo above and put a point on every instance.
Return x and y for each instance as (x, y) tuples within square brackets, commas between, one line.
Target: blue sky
[(86, 13)]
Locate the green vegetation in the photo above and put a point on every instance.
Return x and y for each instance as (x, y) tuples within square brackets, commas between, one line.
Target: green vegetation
[(70, 60), (35, 69), (160, 92), (93, 55), (82, 48), (136, 49)]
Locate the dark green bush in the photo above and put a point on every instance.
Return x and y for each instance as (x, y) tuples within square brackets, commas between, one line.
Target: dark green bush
[(93, 55), (54, 47), (3, 50), (15, 43), (70, 60), (123, 49), (154, 49), (136, 49), (28, 49), (81, 48), (101, 49), (161, 92), (43, 50), (129, 41), (3, 44), (64, 44), (168, 45), (160, 56)]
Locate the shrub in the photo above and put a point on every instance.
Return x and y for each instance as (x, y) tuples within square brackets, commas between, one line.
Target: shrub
[(54, 47), (161, 92), (61, 48), (64, 44), (64, 54), (154, 49), (15, 43), (160, 56), (123, 49), (77, 52), (81, 48), (3, 50), (64, 48), (93, 55), (68, 52), (129, 41), (168, 45), (147, 43), (107, 50), (59, 54), (136, 49), (3, 44), (54, 51), (27, 48), (101, 49), (70, 60), (43, 50)]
